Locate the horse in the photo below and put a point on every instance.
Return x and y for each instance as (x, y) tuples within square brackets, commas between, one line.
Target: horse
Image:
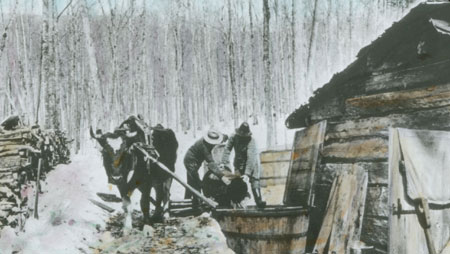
[(121, 159)]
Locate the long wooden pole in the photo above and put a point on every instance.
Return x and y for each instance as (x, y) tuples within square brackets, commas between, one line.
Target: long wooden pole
[(208, 201), (36, 199)]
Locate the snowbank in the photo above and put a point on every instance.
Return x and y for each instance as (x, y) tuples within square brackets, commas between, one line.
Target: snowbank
[(68, 221)]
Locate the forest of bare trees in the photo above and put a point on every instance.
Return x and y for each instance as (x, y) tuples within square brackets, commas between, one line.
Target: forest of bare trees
[(185, 63)]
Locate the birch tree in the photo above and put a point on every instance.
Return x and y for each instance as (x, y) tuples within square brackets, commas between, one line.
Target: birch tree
[(231, 67), (267, 76), (48, 65), (96, 95)]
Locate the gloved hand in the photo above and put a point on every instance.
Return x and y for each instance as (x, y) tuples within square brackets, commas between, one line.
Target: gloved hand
[(246, 178), (225, 180)]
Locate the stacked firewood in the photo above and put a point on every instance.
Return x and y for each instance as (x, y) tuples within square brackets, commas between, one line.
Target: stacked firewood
[(22, 150)]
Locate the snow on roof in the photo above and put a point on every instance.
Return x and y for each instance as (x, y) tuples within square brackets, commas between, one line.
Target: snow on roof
[(441, 26), (412, 42)]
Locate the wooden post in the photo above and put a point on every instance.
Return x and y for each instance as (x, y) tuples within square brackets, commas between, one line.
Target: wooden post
[(208, 201), (36, 200)]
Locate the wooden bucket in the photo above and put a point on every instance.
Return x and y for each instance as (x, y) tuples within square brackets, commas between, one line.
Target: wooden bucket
[(274, 229)]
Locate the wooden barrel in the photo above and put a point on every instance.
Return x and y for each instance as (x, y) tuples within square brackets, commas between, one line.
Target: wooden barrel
[(275, 167), (275, 229)]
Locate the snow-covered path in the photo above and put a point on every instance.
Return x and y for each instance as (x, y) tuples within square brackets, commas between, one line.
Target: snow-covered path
[(70, 223)]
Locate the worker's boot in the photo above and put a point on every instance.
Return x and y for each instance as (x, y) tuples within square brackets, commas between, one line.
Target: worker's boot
[(258, 198), (158, 215)]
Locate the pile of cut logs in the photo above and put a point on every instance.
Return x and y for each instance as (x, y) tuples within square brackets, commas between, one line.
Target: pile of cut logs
[(26, 153)]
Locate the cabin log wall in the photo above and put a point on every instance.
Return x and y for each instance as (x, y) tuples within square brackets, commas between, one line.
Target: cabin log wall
[(358, 136)]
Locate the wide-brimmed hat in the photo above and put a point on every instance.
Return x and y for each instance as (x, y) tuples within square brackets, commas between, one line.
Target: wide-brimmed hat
[(213, 137), (244, 130)]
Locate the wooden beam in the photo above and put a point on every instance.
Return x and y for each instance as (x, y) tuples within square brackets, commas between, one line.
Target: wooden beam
[(435, 118), (269, 156), (358, 150), (341, 226), (405, 100), (378, 171), (11, 161)]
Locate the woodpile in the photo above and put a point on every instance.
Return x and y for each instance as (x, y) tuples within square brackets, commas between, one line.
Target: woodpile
[(21, 148), (13, 166)]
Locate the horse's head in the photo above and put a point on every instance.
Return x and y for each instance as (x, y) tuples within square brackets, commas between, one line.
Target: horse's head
[(117, 157)]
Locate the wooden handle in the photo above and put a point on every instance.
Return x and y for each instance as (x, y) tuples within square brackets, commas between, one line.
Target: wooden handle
[(208, 201)]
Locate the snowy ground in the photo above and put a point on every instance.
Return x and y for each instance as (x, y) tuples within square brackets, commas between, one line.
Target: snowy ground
[(70, 223), (177, 235)]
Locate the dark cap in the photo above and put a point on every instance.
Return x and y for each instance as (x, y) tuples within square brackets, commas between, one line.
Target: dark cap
[(158, 127), (244, 130)]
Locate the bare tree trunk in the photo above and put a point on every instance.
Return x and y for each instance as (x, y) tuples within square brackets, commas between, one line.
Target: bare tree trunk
[(231, 68), (293, 56), (243, 75), (27, 74), (4, 35), (254, 88), (310, 46), (267, 75), (22, 92), (48, 65), (350, 28), (96, 96)]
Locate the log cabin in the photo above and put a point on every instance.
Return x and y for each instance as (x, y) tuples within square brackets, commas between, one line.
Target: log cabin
[(402, 79)]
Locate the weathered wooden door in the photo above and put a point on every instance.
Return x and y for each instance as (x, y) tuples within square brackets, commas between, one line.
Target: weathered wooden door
[(304, 160), (419, 168)]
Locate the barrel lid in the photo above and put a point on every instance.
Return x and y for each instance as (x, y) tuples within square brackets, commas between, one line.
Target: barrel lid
[(268, 211)]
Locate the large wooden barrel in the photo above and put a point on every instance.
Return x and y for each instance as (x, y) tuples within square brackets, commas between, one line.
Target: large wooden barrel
[(275, 229), (275, 167)]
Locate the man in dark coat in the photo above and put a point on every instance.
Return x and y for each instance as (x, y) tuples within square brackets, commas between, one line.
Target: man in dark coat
[(165, 142), (246, 160), (196, 155)]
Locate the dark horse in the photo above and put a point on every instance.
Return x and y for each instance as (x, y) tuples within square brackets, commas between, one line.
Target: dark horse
[(120, 160)]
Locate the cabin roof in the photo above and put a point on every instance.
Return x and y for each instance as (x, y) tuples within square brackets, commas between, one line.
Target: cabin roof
[(421, 38)]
